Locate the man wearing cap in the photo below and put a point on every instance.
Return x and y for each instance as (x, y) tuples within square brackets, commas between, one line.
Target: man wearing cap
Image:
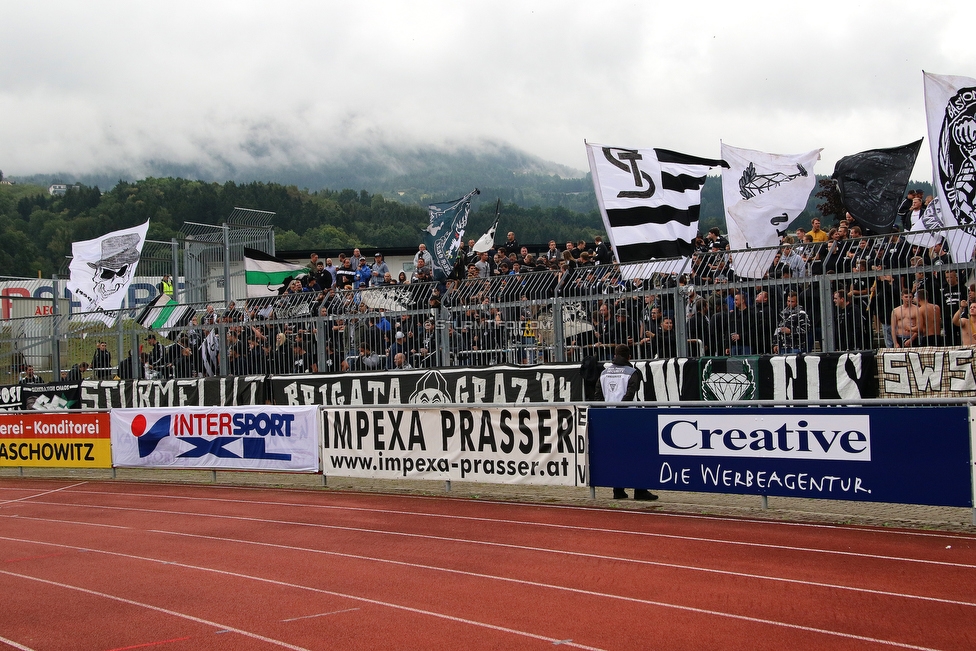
[(398, 346), (619, 382), (380, 268)]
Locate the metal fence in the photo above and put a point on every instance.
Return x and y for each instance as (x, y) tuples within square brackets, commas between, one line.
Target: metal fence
[(819, 297)]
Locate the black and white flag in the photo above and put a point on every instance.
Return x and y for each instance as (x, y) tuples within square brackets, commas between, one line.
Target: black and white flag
[(763, 193), (102, 270), (872, 183), (950, 109), (443, 236), (649, 199)]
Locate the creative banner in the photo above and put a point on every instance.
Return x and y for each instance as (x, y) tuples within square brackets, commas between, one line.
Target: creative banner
[(907, 455), (199, 392), (814, 376), (55, 440), (543, 446), (10, 398), (50, 397), (496, 385), (244, 438), (927, 373)]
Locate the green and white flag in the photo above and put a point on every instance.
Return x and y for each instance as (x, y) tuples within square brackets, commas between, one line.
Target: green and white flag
[(163, 314), (265, 274)]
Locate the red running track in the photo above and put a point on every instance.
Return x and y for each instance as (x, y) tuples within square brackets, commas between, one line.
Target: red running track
[(111, 566)]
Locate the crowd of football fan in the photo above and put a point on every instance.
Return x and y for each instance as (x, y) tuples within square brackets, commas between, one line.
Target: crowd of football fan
[(496, 307)]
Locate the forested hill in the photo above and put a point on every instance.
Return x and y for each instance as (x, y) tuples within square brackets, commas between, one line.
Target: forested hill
[(38, 229)]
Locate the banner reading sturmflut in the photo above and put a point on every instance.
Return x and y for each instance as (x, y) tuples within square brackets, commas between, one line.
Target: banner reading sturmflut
[(515, 445), (244, 438), (101, 271)]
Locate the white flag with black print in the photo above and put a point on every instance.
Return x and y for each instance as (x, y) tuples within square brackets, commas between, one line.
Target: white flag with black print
[(950, 109), (930, 229), (649, 199), (763, 193), (102, 270)]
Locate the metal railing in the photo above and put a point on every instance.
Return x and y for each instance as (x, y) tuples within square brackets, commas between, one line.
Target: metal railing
[(699, 306)]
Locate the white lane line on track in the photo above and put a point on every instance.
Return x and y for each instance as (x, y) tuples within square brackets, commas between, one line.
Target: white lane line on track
[(31, 497), (334, 612), (717, 541), (159, 609), (589, 509), (19, 647), (375, 602), (591, 593), (576, 554)]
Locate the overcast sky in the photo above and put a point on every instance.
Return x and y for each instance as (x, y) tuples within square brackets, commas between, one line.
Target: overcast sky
[(88, 86)]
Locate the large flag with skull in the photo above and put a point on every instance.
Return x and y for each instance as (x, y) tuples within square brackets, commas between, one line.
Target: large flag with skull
[(101, 271), (950, 109), (763, 193)]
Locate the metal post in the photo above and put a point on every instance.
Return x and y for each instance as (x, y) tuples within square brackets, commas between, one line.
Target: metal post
[(227, 297), (765, 502), (176, 269), (447, 486), (558, 336), (592, 492), (55, 332), (222, 347), (826, 315), (680, 322), (320, 346)]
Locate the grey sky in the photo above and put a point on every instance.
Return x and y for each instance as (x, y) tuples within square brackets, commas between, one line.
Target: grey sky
[(107, 85)]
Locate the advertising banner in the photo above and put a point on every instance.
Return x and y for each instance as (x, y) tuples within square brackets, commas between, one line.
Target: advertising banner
[(486, 386), (196, 392), (244, 438), (908, 455), (543, 446), (55, 440)]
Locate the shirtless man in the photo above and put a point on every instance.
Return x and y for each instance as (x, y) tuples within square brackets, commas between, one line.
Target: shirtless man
[(904, 322), (963, 319), (930, 320)]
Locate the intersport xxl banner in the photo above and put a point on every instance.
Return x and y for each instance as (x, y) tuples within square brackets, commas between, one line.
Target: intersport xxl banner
[(538, 445), (244, 438)]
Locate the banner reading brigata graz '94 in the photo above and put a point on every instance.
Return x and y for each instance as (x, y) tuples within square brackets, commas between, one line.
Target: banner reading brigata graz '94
[(537, 445), (908, 455), (244, 438), (496, 385)]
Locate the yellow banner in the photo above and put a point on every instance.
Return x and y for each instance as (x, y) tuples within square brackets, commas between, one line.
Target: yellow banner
[(55, 440)]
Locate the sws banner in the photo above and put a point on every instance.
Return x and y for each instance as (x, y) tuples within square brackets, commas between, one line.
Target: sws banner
[(927, 373), (244, 438), (496, 385), (543, 446), (908, 455), (198, 392)]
